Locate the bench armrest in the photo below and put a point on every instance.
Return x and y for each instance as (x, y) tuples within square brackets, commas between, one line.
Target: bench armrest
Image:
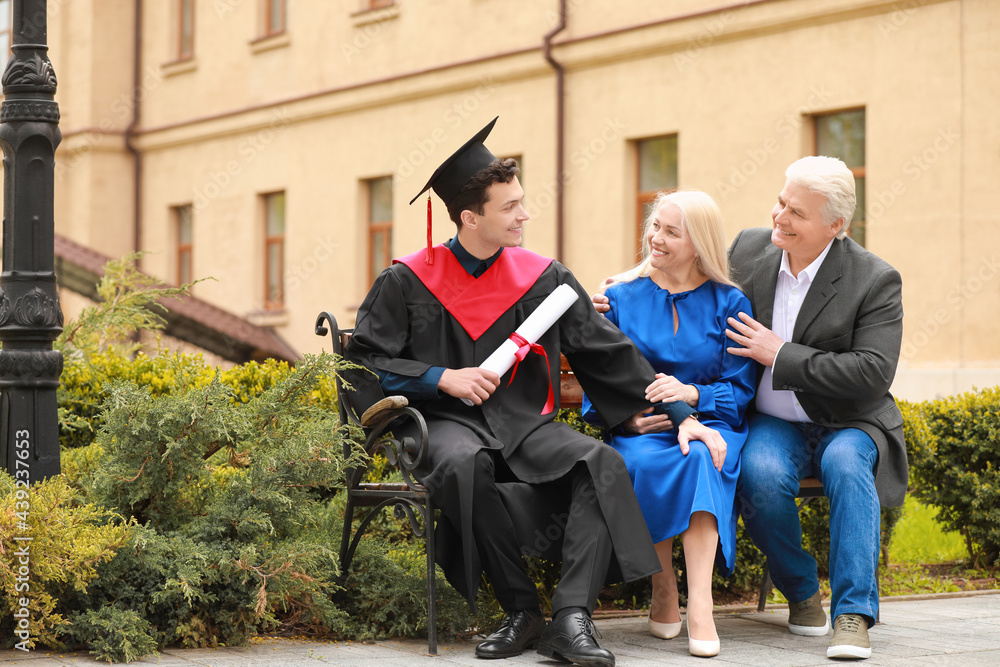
[(404, 453), (382, 409)]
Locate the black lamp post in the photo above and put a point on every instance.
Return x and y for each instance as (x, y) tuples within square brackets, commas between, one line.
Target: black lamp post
[(30, 317)]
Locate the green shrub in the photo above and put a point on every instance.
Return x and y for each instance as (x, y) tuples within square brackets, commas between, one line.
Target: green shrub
[(86, 382), (237, 497), (197, 594), (68, 543), (226, 469), (955, 466), (386, 593), (113, 634), (85, 385)]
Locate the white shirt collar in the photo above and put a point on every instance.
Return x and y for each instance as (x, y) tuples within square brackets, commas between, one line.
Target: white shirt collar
[(810, 270)]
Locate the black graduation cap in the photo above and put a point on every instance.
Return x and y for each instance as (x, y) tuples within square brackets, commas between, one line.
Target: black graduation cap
[(449, 179), (453, 174)]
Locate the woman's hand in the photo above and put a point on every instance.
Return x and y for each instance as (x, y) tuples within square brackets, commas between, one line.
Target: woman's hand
[(667, 388), (647, 422)]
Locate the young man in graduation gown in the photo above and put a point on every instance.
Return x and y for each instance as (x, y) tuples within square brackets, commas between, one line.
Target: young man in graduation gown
[(507, 478)]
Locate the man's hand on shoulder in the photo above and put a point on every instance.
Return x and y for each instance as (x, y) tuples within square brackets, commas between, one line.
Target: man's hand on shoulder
[(691, 429), (759, 343), (475, 384)]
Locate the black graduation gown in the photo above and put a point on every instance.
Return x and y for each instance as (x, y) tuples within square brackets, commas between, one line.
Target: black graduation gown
[(403, 328)]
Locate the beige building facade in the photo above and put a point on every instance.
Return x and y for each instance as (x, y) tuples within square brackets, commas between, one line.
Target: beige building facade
[(274, 145)]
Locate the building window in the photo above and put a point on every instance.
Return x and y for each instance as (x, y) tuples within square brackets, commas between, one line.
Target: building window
[(185, 29), (274, 250), (379, 225), (275, 14), (6, 22), (657, 171), (520, 167), (842, 135), (185, 243)]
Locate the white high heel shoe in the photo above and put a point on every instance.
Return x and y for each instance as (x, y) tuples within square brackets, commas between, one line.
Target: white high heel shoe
[(664, 630), (703, 648)]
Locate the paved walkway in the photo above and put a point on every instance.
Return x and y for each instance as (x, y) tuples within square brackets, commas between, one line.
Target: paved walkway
[(923, 630)]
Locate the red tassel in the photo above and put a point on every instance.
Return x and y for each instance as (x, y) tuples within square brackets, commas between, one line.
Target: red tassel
[(430, 250)]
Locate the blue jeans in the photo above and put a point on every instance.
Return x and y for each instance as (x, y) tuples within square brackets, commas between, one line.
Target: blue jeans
[(778, 454)]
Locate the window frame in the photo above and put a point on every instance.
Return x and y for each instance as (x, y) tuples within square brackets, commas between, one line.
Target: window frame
[(267, 12), (185, 51), (183, 249), (376, 227), (272, 241)]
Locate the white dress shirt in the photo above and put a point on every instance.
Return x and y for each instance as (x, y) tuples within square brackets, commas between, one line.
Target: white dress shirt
[(789, 293)]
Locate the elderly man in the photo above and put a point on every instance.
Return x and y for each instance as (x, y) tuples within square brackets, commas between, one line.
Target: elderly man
[(826, 333)]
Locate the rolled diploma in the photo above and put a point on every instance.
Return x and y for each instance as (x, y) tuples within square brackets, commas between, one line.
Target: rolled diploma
[(543, 317)]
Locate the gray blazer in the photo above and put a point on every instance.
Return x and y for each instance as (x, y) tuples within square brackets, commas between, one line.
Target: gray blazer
[(845, 346)]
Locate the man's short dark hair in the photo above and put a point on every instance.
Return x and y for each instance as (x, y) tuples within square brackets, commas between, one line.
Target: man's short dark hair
[(474, 195)]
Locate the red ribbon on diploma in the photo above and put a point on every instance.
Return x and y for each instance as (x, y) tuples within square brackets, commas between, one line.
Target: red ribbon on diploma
[(523, 347)]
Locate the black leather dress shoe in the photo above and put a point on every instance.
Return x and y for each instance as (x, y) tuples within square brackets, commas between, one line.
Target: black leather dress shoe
[(519, 631), (571, 639)]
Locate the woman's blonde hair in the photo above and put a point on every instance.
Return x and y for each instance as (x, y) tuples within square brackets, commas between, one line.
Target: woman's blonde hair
[(701, 220)]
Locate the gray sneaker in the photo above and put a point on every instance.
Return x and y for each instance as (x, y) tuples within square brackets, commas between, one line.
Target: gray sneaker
[(850, 638), (807, 618)]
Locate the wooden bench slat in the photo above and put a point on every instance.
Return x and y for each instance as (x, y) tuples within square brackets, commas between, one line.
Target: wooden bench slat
[(384, 486)]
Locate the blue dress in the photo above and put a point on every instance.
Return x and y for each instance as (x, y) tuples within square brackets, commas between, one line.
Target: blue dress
[(669, 485)]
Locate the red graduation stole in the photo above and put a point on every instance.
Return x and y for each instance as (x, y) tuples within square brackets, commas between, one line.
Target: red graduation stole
[(476, 303)]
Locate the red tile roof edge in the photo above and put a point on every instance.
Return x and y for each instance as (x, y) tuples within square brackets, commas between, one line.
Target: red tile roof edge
[(234, 332)]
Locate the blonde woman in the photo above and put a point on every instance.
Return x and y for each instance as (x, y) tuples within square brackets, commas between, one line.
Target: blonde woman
[(674, 305)]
